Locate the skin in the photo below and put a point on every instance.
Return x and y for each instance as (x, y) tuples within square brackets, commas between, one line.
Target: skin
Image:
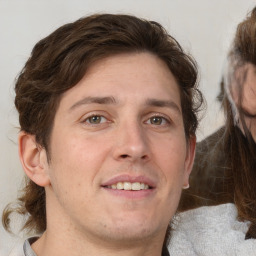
[(122, 121), (246, 75)]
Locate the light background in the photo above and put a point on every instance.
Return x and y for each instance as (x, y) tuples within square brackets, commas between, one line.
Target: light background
[(203, 27)]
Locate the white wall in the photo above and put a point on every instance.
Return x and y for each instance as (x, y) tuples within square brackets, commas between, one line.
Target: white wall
[(204, 27)]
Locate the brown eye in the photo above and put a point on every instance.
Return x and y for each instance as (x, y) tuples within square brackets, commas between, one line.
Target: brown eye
[(156, 120), (95, 119)]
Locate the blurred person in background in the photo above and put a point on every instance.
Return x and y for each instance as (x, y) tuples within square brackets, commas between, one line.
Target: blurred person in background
[(224, 173)]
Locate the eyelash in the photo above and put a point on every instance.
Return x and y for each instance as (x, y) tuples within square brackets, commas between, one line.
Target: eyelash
[(248, 115), (165, 121), (86, 119)]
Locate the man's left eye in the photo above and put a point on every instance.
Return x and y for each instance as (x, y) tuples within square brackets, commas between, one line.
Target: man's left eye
[(95, 119), (157, 120)]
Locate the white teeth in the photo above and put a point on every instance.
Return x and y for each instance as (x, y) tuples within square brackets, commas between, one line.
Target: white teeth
[(120, 185), (129, 186), (136, 186), (113, 186)]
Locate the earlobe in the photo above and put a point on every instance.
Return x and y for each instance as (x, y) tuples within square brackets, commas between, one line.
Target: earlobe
[(33, 159), (191, 149)]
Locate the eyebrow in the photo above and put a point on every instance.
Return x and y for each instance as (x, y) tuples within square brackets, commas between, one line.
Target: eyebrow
[(90, 100), (163, 103), (111, 100)]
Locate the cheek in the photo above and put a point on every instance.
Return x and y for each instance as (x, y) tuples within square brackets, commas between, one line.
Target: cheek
[(77, 159), (171, 159), (72, 174)]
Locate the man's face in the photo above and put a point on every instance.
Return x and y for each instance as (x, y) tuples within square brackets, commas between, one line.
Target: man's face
[(246, 77), (119, 156)]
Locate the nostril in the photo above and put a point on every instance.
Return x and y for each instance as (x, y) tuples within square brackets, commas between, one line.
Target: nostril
[(124, 156)]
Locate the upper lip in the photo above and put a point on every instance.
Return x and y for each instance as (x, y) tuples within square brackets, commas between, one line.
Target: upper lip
[(129, 178)]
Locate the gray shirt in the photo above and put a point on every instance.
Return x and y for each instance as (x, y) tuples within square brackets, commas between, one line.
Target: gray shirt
[(28, 251), (27, 246)]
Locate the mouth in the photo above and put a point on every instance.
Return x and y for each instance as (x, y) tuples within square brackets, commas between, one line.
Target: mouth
[(132, 186)]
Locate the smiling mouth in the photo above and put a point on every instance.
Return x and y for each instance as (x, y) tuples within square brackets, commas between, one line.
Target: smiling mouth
[(135, 186)]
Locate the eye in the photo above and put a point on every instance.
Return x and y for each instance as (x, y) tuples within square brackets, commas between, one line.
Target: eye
[(157, 120), (246, 113), (95, 119)]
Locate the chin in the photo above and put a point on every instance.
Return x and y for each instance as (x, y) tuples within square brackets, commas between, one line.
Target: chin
[(131, 234), (137, 227)]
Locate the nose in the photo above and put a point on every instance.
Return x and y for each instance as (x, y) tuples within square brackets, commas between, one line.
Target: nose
[(131, 143)]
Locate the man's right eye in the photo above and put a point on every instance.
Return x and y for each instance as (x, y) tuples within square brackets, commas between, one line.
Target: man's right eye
[(95, 119)]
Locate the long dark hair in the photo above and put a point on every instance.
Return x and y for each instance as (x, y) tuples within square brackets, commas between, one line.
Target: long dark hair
[(225, 164)]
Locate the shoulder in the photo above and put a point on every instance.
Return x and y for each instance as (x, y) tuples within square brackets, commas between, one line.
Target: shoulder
[(211, 230)]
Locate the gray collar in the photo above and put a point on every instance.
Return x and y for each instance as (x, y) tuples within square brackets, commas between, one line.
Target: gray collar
[(27, 246), (29, 252)]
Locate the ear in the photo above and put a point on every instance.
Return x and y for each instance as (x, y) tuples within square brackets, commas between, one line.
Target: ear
[(33, 159), (191, 149)]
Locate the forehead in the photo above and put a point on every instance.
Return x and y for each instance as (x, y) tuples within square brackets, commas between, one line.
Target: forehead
[(126, 77)]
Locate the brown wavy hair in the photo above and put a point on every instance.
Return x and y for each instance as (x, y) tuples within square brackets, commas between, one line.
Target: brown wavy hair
[(241, 147), (225, 164), (59, 61)]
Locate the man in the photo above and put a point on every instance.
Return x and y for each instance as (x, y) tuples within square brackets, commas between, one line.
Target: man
[(107, 107)]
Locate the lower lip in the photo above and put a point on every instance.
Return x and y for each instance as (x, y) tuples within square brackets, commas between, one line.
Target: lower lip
[(131, 194)]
